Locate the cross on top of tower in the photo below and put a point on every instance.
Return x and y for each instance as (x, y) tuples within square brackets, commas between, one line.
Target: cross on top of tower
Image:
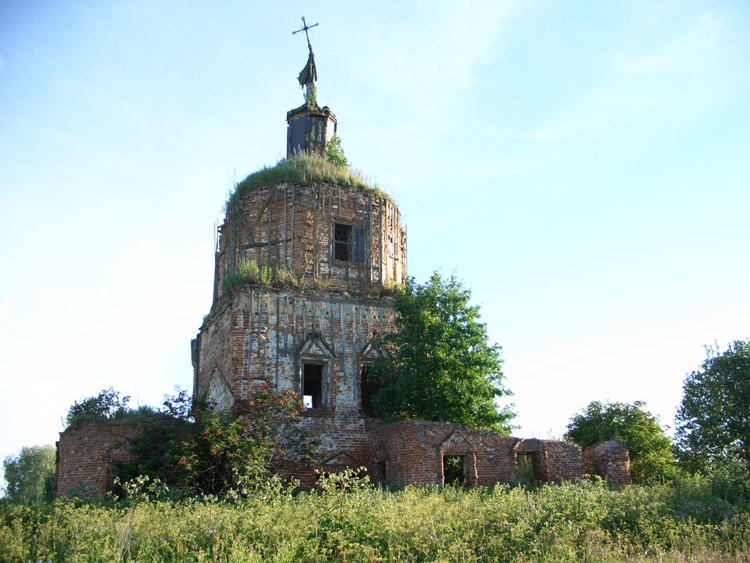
[(305, 27), (309, 73)]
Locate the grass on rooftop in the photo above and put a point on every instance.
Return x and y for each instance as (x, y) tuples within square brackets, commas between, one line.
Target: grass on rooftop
[(303, 169)]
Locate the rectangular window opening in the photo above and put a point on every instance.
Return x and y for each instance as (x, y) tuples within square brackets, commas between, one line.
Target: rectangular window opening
[(525, 467), (342, 242), (368, 390), (453, 470), (312, 385), (381, 472)]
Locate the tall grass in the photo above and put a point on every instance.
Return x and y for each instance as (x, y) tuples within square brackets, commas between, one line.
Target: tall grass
[(303, 169), (348, 520), (250, 272)]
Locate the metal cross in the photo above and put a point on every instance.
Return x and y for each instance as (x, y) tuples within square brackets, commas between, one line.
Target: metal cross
[(305, 28)]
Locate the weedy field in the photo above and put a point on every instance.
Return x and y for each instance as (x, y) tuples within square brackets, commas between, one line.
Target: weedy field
[(688, 519)]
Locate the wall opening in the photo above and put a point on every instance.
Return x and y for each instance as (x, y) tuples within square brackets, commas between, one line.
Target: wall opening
[(342, 242), (312, 385), (453, 470), (525, 467), (367, 391), (381, 472), (348, 243)]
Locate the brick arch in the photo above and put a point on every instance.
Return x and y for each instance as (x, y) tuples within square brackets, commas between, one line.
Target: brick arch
[(456, 444)]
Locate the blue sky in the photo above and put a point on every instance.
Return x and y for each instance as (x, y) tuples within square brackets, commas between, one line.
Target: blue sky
[(583, 167)]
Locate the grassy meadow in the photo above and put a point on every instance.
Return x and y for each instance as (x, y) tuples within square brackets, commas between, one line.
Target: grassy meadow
[(691, 519)]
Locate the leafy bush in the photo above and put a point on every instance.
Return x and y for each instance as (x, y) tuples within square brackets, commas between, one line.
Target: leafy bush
[(206, 451), (649, 446), (107, 405)]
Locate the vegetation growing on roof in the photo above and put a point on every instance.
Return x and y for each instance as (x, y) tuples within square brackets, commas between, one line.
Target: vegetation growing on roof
[(335, 152), (250, 272), (303, 169)]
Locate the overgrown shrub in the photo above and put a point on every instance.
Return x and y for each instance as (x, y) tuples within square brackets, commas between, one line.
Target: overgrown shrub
[(202, 450), (250, 272), (107, 405)]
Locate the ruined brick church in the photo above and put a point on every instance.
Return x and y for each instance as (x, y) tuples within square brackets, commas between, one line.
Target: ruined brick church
[(343, 244)]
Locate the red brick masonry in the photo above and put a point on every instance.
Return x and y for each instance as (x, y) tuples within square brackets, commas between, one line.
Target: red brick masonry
[(610, 460), (88, 454), (400, 454)]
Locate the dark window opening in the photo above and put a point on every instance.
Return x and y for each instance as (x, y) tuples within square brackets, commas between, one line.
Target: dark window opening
[(312, 385), (368, 390), (595, 469), (453, 470), (342, 242), (525, 467), (381, 472)]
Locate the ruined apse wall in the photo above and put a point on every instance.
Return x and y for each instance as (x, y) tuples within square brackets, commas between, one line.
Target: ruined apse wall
[(610, 460), (412, 452), (552, 461), (87, 456), (261, 334)]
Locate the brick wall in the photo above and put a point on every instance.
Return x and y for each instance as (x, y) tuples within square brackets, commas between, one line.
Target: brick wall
[(87, 454), (413, 452), (266, 334), (292, 225), (553, 461), (610, 460)]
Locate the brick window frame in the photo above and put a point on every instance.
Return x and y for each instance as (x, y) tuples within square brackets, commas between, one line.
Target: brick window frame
[(367, 390), (310, 369), (348, 243)]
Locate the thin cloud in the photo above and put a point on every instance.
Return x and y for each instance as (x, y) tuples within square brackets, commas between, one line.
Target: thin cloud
[(430, 70), (685, 74)]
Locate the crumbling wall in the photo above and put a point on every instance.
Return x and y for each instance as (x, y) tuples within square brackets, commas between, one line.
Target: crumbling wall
[(264, 336), (413, 452), (291, 225), (553, 461), (610, 460), (87, 455)]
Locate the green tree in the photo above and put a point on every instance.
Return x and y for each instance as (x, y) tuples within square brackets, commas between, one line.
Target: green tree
[(713, 420), (649, 447), (30, 475), (441, 367)]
